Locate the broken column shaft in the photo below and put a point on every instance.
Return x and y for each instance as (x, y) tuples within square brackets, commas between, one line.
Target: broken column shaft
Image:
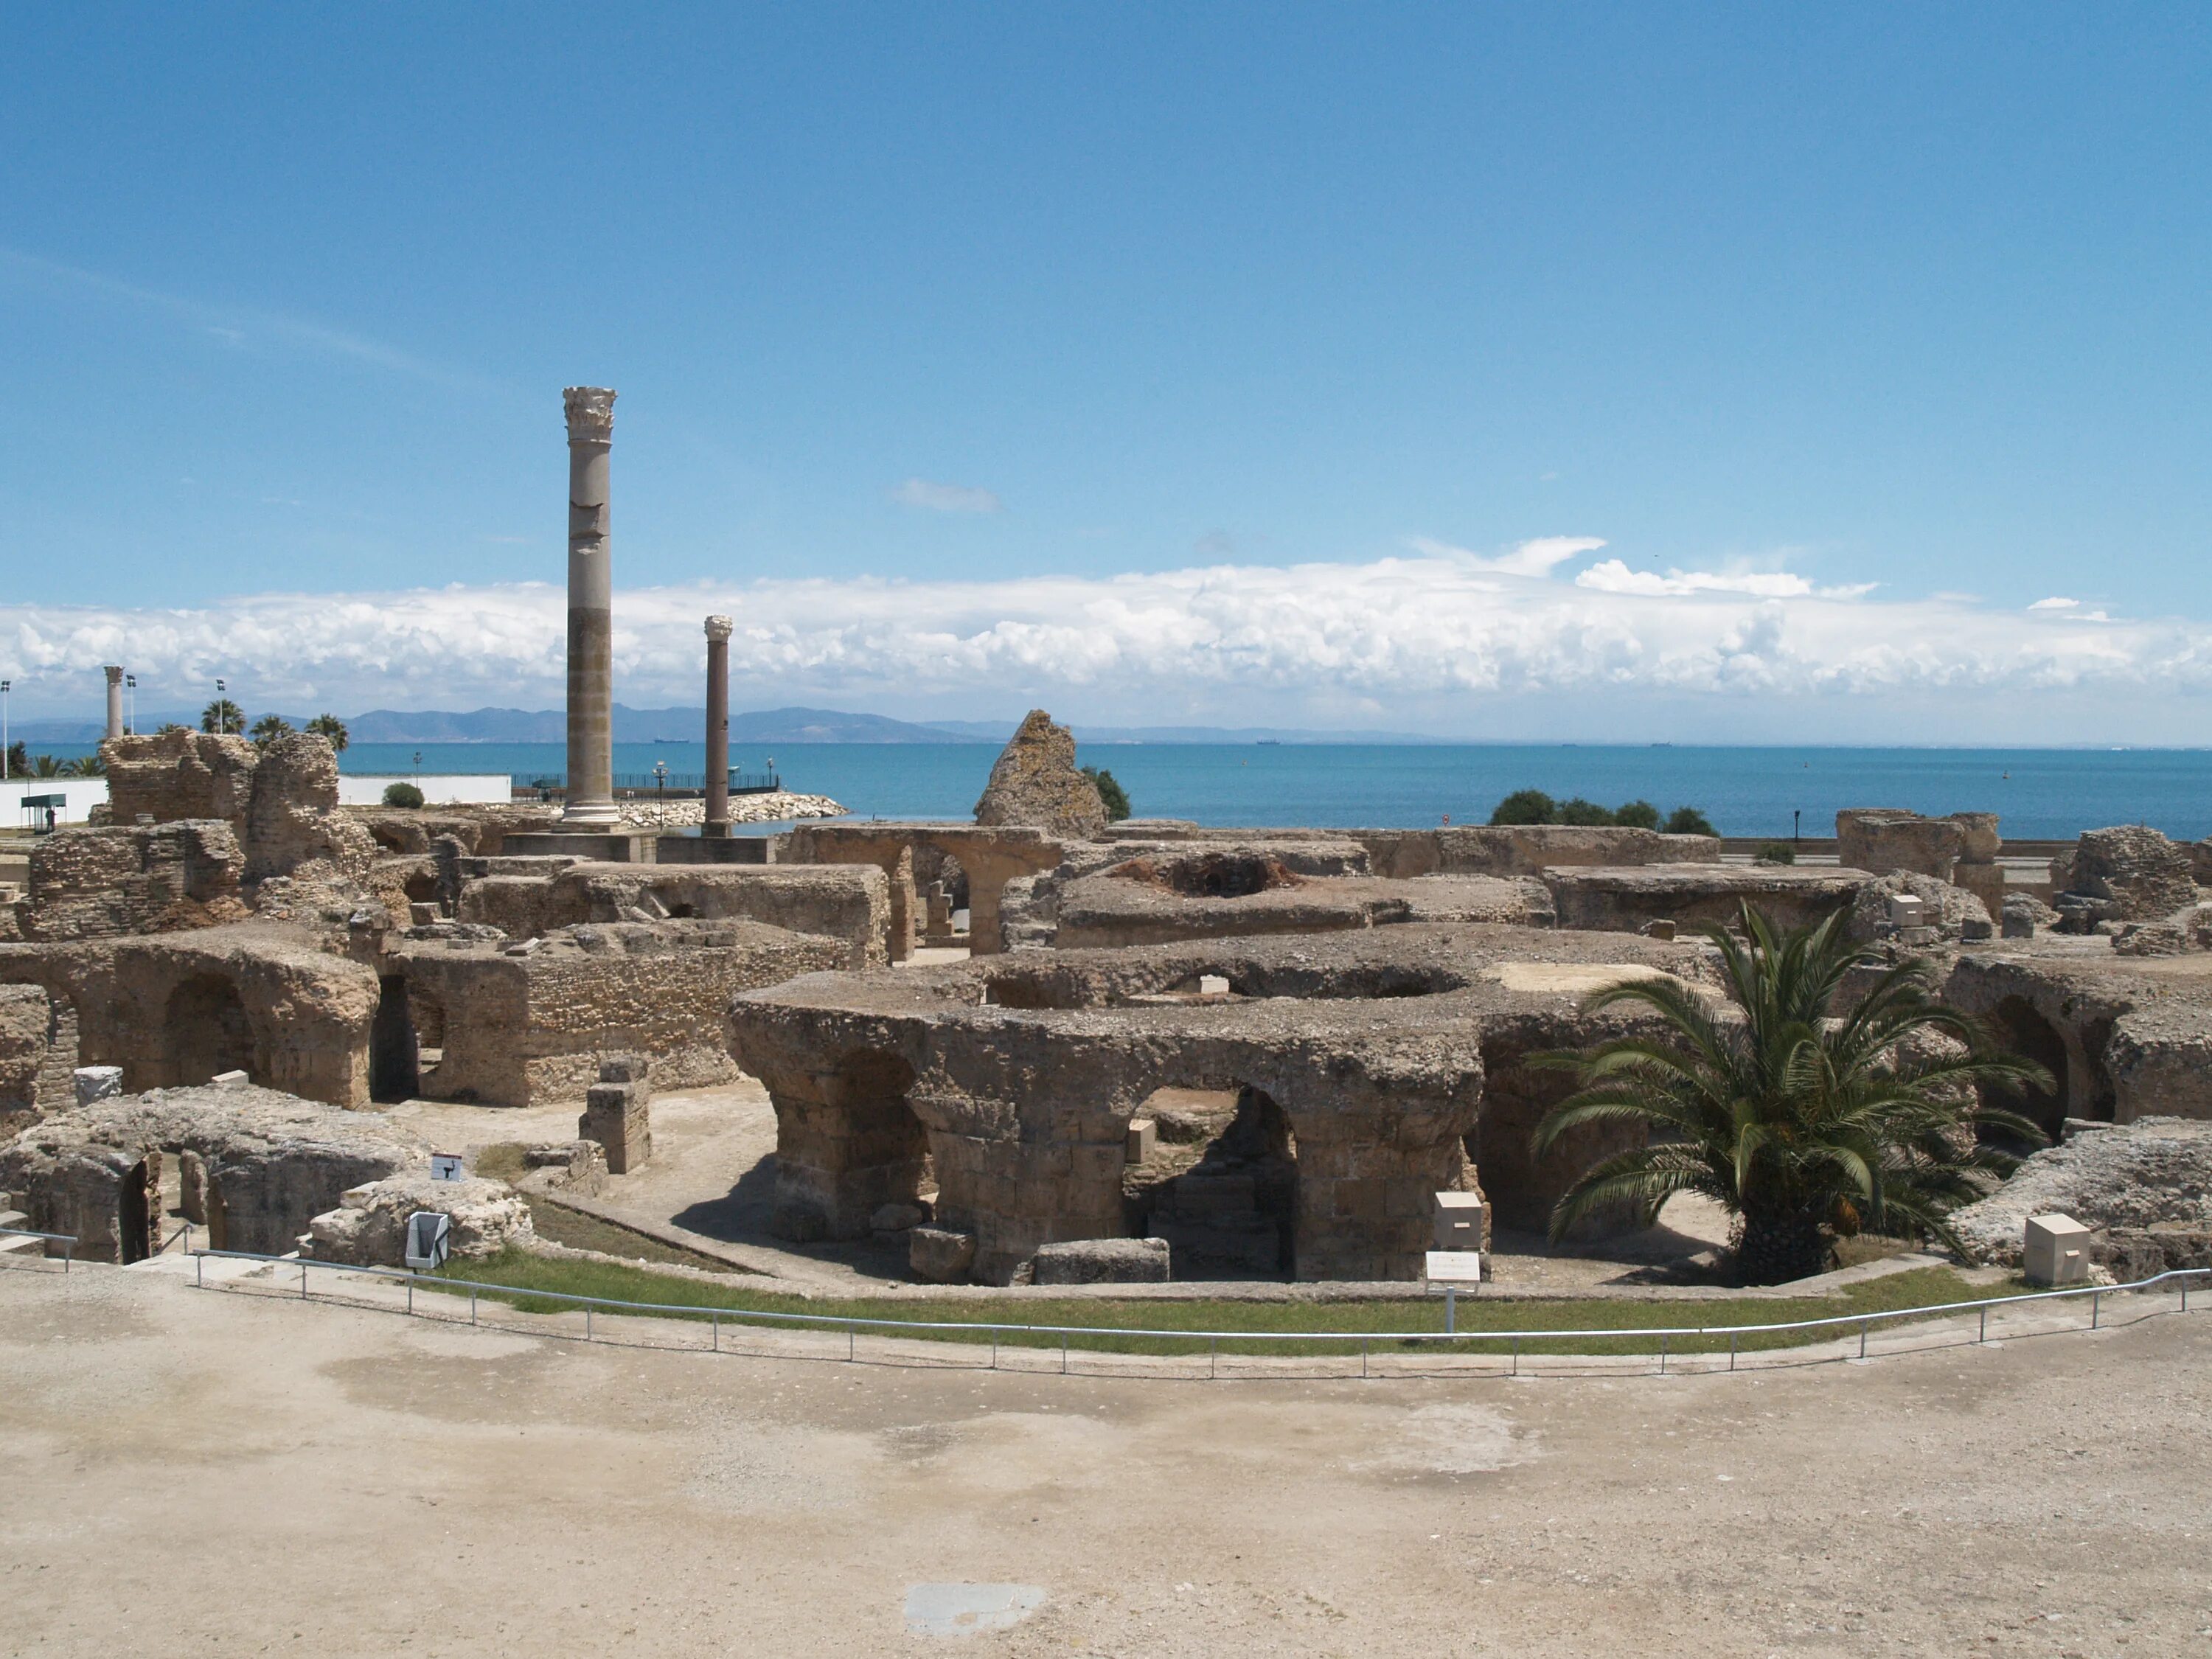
[(718, 726), (590, 790)]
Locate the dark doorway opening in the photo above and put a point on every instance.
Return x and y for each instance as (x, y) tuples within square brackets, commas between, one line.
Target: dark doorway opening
[(207, 1022), (395, 1071)]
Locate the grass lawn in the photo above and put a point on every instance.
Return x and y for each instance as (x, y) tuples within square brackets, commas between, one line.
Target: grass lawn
[(519, 1273)]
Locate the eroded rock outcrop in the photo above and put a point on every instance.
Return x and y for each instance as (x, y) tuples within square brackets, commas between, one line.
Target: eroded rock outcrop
[(368, 1228), (2128, 872), (2154, 1171), (1035, 782), (256, 1165)]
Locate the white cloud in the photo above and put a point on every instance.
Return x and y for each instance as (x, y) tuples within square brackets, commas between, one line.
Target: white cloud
[(1611, 576), (1530, 558), (2055, 603), (945, 497), (1427, 643)]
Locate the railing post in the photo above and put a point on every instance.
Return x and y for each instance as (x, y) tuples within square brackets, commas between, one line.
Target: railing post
[(199, 1272), (1663, 1354), (994, 1350), (1212, 1357), (410, 1293), (1862, 1333), (1363, 1356), (303, 1281), (851, 1345), (2094, 1297), (1731, 1350), (715, 1320), (472, 1304), (1517, 1356), (587, 1321), (1063, 1353), (1983, 1335)]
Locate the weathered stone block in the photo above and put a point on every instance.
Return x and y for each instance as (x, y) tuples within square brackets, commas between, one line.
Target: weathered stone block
[(1101, 1262), (940, 1255)]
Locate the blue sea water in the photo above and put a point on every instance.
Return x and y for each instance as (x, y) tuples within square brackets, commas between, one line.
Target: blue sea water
[(2038, 793)]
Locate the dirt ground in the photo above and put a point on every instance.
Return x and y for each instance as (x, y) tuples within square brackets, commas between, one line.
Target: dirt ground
[(210, 1472)]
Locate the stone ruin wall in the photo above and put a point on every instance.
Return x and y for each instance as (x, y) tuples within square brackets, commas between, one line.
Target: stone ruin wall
[(176, 1009), (524, 1030), (263, 1164), (850, 903), (132, 879), (168, 775)]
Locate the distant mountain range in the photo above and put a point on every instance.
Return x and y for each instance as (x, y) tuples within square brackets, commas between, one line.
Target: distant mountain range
[(641, 726), (786, 726)]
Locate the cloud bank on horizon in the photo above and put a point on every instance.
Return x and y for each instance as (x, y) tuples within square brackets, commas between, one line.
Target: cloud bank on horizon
[(1444, 641)]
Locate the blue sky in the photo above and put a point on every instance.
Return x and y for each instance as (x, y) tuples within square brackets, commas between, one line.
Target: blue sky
[(1114, 296)]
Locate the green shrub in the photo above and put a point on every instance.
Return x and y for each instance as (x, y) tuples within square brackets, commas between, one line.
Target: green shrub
[(1636, 815), (1688, 821), (1525, 806), (1588, 814), (402, 794), (1110, 792), (1776, 851)]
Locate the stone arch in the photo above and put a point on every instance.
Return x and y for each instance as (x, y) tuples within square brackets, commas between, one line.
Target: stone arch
[(1521, 1187), (395, 1071), (2019, 1027), (208, 1029), (849, 1141), (1224, 1190)]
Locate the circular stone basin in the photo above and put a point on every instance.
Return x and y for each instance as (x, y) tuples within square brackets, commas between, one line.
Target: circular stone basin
[(1571, 979)]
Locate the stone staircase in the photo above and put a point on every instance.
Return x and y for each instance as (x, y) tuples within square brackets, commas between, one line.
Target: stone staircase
[(15, 1243)]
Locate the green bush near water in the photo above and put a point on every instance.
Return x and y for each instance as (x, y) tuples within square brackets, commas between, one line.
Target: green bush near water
[(1525, 806)]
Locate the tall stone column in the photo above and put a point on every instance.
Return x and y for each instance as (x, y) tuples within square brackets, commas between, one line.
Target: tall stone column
[(591, 410), (114, 701), (718, 726)]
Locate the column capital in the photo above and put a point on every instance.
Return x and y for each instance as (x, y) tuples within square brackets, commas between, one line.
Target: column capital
[(114, 672), (718, 628), (590, 412)]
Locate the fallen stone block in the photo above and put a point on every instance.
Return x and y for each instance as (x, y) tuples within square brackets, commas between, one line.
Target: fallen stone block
[(1101, 1262), (940, 1255)]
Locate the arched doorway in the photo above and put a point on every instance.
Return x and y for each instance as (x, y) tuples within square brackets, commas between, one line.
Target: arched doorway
[(208, 1029), (1233, 1213), (394, 1055), (2019, 1028), (138, 1211)]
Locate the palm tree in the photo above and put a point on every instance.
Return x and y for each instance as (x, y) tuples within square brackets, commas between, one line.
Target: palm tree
[(269, 728), (223, 716), (330, 726), (45, 766), (87, 766), (1804, 1111)]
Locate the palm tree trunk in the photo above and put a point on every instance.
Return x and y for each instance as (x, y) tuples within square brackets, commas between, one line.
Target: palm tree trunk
[(1779, 1246)]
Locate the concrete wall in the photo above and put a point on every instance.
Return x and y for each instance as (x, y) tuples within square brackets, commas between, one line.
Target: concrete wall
[(84, 795), (438, 789)]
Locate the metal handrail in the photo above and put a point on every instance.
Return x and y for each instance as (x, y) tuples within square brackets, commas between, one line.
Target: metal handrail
[(67, 1241), (854, 1322)]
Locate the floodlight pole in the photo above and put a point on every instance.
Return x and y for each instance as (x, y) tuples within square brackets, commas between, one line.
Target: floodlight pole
[(5, 687)]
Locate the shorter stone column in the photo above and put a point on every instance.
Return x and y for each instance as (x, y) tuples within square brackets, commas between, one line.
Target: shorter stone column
[(718, 726), (617, 1113), (114, 702)]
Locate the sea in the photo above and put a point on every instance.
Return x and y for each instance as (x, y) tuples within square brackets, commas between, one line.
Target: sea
[(2039, 793)]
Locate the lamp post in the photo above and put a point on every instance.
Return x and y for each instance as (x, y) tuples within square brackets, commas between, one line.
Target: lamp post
[(130, 690), (5, 687), (221, 719)]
